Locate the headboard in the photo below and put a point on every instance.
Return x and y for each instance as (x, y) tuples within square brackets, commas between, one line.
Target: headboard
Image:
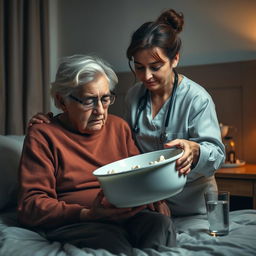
[(233, 89)]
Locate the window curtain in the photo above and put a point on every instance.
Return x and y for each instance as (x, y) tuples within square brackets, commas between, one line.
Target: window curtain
[(24, 63)]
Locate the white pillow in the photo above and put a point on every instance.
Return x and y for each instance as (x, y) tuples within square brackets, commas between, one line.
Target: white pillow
[(10, 152)]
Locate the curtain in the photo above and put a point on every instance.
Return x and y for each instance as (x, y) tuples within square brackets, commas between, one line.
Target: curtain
[(24, 63)]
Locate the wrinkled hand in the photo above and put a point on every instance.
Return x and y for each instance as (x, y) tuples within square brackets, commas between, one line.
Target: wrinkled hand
[(107, 212), (40, 118), (190, 156), (160, 207)]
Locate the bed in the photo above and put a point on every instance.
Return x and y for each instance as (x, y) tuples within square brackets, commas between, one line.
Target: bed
[(192, 236)]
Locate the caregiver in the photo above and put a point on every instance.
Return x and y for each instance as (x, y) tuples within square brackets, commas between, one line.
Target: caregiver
[(167, 109)]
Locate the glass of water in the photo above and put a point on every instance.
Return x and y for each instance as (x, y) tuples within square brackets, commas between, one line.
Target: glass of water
[(217, 206)]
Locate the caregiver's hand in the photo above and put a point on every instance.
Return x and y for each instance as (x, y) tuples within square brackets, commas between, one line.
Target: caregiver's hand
[(190, 156), (40, 118), (107, 212)]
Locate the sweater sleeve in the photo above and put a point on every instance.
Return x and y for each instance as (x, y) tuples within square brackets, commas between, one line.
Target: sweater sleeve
[(125, 137), (38, 204), (132, 148)]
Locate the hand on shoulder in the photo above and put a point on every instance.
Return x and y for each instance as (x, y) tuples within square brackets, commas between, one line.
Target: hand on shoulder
[(40, 118)]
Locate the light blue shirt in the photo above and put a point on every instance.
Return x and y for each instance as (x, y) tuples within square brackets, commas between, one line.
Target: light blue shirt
[(192, 117)]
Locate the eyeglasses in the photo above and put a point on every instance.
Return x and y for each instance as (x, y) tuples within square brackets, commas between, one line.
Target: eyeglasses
[(92, 102)]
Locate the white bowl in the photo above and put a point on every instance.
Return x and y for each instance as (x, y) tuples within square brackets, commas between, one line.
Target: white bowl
[(149, 183)]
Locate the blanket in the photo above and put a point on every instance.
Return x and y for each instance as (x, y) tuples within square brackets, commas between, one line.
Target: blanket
[(192, 239)]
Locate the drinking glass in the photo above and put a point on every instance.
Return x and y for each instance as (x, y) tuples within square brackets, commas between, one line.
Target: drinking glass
[(217, 206)]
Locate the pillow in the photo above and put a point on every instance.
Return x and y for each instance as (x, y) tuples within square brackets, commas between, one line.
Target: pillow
[(10, 152)]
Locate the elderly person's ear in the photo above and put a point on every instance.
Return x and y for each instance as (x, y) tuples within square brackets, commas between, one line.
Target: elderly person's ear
[(61, 102)]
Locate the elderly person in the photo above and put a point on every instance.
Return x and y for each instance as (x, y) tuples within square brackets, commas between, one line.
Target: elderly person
[(59, 195)]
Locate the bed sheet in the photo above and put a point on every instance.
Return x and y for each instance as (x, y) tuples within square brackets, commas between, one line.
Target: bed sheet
[(192, 239)]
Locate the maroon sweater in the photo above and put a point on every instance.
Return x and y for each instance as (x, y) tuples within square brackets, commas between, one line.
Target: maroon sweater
[(56, 166)]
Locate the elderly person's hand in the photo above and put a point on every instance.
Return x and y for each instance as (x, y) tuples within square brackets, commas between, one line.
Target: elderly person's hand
[(103, 212), (190, 156), (40, 118), (160, 207)]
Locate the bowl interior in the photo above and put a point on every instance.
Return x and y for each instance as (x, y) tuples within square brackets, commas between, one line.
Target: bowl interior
[(139, 162)]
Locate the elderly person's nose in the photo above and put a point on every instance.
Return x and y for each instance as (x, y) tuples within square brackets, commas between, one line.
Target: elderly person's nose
[(98, 107)]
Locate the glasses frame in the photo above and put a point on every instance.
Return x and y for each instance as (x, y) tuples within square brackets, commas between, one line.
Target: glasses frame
[(95, 100)]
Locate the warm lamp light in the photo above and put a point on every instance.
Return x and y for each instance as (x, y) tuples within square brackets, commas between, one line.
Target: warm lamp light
[(244, 29)]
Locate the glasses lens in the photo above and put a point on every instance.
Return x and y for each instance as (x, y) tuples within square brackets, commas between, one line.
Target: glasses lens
[(107, 100), (88, 103), (92, 102)]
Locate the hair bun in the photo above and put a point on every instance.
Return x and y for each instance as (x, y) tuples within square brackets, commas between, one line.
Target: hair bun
[(172, 18)]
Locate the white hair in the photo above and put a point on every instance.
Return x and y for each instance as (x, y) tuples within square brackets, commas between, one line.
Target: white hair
[(79, 70)]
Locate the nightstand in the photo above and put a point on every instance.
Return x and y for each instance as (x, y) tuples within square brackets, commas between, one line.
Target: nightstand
[(239, 181)]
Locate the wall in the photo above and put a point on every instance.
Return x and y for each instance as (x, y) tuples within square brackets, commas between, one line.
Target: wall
[(215, 31)]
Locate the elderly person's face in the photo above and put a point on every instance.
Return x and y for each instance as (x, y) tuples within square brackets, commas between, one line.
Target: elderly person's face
[(78, 116)]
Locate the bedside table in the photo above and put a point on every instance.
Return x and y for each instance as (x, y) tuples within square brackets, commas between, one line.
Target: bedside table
[(239, 181)]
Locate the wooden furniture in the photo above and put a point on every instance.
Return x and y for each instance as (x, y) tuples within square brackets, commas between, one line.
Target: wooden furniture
[(239, 181)]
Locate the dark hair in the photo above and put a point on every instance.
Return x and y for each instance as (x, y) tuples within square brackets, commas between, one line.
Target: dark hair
[(163, 33)]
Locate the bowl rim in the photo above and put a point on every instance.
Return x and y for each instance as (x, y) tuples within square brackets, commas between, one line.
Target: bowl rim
[(143, 168)]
